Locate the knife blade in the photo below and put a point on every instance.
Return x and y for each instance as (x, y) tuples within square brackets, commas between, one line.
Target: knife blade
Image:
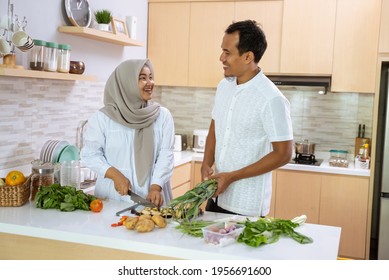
[(140, 200)]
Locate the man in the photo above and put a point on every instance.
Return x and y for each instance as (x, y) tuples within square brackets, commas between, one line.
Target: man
[(251, 132)]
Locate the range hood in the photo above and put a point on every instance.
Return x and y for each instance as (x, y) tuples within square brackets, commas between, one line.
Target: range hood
[(308, 81)]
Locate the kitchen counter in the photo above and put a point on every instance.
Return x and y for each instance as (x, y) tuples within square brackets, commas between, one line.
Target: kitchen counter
[(27, 232), (187, 156)]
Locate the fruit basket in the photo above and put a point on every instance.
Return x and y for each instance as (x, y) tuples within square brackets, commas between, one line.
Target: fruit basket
[(15, 195)]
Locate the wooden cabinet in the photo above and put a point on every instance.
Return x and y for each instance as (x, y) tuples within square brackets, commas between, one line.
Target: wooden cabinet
[(298, 193), (269, 15), (356, 45), (181, 179), (344, 203), (327, 199), (168, 42), (208, 20), (384, 28), (307, 36)]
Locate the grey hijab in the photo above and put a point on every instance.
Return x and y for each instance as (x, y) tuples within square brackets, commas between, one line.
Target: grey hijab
[(124, 105)]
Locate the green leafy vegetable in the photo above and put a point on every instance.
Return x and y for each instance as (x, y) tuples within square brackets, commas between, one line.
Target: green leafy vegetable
[(269, 230), (65, 198), (187, 205), (194, 227)]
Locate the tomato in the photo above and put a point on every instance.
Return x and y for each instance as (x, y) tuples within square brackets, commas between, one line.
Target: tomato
[(14, 178), (96, 205)]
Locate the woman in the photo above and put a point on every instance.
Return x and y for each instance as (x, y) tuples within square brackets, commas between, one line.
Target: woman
[(129, 142)]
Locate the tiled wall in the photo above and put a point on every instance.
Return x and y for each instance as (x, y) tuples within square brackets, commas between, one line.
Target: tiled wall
[(33, 111)]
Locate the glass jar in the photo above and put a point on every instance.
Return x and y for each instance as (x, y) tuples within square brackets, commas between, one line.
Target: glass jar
[(42, 175), (51, 58), (37, 55), (63, 58), (338, 158)]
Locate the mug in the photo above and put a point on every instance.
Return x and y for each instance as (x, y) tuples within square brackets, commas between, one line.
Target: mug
[(5, 48), (22, 41)]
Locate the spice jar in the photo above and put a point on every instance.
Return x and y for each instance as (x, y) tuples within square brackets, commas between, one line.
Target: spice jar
[(63, 58), (51, 57), (37, 55), (42, 175)]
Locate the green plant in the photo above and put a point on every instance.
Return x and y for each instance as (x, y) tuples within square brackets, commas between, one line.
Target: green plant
[(103, 16)]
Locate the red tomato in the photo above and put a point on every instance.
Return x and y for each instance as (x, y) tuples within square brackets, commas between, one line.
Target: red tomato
[(96, 205)]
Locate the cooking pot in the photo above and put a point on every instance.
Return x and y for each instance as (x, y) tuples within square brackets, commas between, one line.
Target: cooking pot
[(305, 147)]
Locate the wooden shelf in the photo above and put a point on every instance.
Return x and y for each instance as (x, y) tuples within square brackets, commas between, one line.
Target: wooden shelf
[(14, 72), (95, 34)]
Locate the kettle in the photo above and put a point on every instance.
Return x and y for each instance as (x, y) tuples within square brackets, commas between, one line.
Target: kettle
[(199, 139)]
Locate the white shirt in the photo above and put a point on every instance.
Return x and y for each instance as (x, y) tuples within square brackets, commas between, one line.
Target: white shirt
[(108, 143), (248, 117)]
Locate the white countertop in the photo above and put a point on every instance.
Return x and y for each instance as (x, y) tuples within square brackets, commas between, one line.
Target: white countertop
[(95, 229), (187, 156)]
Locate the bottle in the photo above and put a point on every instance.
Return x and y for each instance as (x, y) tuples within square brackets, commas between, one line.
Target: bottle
[(37, 55), (63, 64), (51, 57), (366, 155)]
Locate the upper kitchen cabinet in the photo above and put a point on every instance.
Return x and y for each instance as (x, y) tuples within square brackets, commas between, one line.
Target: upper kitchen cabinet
[(168, 42), (269, 15), (308, 36), (208, 21), (384, 28), (356, 45)]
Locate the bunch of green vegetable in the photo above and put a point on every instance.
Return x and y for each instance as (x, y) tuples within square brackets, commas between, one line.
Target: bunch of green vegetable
[(194, 227), (187, 205), (65, 198), (269, 230)]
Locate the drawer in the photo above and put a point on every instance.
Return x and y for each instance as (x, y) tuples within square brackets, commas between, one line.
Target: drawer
[(181, 174), (181, 190)]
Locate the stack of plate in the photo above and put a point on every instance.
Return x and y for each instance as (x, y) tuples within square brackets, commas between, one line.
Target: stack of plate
[(58, 151)]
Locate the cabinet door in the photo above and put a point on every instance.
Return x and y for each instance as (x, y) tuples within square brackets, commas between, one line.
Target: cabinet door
[(356, 45), (168, 42), (344, 203), (308, 36), (384, 28), (269, 15), (208, 21), (196, 173), (181, 174), (297, 193)]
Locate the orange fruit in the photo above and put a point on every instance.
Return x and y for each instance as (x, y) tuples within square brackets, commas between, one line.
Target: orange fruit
[(14, 178), (96, 205)]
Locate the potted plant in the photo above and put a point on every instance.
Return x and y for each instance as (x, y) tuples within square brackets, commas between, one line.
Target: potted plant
[(103, 18)]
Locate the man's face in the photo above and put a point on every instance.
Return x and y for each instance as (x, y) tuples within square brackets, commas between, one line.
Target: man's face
[(233, 63)]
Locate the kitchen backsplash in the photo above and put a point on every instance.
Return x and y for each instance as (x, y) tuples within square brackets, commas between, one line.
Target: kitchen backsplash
[(35, 110)]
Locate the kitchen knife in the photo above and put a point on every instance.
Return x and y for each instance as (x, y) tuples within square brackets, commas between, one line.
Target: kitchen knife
[(140, 200), (359, 131)]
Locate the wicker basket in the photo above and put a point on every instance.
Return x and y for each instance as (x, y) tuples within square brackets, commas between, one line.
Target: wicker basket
[(15, 195)]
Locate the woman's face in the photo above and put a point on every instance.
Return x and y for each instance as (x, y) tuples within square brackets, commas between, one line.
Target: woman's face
[(146, 83)]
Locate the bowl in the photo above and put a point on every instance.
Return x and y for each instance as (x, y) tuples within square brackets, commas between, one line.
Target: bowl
[(76, 67), (222, 234)]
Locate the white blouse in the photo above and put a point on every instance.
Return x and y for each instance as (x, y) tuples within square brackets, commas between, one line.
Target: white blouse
[(108, 143)]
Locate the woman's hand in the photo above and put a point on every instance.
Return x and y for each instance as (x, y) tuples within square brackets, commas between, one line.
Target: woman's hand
[(121, 183), (155, 195)]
